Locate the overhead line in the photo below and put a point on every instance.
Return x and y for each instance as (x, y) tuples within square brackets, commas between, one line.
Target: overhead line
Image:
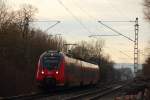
[(117, 21), (121, 51), (117, 10), (57, 22), (124, 54), (52, 26), (103, 35), (76, 18), (45, 21), (115, 31), (91, 16)]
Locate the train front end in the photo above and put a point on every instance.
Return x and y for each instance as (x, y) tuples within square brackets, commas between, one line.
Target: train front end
[(50, 69)]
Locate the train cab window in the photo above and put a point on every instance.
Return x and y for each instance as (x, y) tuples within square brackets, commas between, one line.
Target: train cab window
[(51, 61)]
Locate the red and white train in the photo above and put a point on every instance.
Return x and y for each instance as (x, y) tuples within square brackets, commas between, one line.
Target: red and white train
[(55, 69)]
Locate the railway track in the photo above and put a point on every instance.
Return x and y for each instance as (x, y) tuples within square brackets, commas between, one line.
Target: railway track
[(96, 94), (25, 96), (49, 94), (71, 93)]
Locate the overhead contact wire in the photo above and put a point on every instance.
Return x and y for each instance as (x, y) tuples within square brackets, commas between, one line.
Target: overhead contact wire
[(76, 18)]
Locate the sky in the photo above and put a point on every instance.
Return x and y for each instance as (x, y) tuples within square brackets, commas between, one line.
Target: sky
[(79, 19)]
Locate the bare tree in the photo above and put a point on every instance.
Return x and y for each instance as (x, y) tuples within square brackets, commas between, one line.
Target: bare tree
[(85, 50), (146, 65), (98, 47), (6, 16), (19, 56), (147, 9), (3, 11), (25, 15)]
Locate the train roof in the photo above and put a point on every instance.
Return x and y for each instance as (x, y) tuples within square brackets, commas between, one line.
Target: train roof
[(68, 55), (84, 62)]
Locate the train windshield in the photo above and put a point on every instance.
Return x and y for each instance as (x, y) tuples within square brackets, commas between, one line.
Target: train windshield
[(51, 61)]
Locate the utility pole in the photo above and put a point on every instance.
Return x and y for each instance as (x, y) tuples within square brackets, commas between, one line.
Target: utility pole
[(26, 28), (135, 40), (136, 58), (26, 39)]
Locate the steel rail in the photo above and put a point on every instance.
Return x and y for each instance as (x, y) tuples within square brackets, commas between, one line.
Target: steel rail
[(92, 95), (76, 97)]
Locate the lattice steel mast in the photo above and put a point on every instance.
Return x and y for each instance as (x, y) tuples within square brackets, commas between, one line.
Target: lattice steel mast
[(136, 46), (135, 40)]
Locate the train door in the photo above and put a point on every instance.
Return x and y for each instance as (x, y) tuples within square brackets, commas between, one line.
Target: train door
[(81, 74), (84, 73), (78, 72)]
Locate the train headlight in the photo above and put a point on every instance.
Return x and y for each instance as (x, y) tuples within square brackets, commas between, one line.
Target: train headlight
[(56, 72), (42, 72)]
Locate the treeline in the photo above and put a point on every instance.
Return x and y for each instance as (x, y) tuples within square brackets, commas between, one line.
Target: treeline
[(146, 68), (92, 52), (20, 48), (146, 65)]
